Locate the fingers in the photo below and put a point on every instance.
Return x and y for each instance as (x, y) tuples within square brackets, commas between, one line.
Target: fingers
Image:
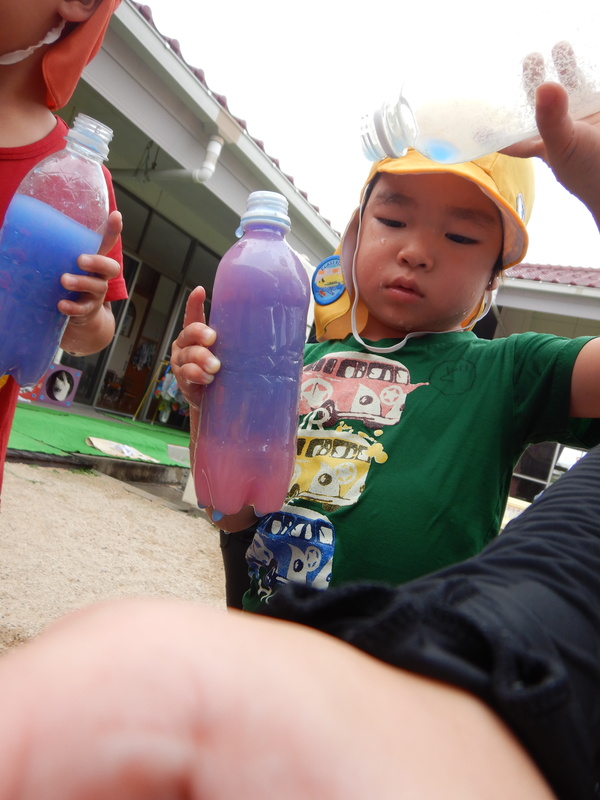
[(552, 116), (567, 69), (191, 357), (95, 266), (553, 122), (192, 362), (114, 226), (194, 309), (534, 74), (565, 64), (571, 148), (90, 286)]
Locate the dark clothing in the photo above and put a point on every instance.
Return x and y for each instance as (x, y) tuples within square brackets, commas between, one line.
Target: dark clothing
[(518, 626), (233, 551)]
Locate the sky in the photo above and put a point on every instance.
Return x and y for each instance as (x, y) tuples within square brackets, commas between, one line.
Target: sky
[(303, 75)]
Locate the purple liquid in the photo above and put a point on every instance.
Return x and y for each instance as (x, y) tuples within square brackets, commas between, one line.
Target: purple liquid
[(246, 445), (37, 245)]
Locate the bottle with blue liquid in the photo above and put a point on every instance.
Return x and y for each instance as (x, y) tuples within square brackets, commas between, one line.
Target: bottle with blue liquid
[(58, 212), (246, 446), (469, 109)]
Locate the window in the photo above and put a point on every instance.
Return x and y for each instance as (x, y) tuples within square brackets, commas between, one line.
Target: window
[(539, 466)]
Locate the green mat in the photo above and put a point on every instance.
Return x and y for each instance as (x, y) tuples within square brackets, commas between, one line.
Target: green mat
[(41, 429)]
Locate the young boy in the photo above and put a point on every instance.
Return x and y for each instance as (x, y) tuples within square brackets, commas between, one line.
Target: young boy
[(44, 46), (411, 425)]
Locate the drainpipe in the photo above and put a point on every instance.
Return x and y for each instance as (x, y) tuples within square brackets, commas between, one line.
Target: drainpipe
[(213, 151)]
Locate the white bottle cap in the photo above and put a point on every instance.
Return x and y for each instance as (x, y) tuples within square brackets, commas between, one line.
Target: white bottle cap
[(270, 207)]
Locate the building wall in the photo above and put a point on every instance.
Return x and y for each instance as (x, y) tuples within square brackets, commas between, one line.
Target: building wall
[(516, 320)]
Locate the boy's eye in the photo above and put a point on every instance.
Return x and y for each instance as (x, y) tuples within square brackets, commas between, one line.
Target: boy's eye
[(456, 237), (391, 223)]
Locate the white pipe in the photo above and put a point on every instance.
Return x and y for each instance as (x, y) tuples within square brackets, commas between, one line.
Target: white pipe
[(206, 171)]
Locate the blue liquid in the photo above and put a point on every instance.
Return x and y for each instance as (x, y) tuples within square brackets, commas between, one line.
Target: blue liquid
[(441, 151), (37, 245)]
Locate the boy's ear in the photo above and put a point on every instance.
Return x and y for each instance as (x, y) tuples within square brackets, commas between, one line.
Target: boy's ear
[(494, 283), (77, 10)]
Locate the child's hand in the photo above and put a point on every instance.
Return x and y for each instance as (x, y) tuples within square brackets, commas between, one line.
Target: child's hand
[(192, 362), (570, 148), (91, 322), (92, 287)]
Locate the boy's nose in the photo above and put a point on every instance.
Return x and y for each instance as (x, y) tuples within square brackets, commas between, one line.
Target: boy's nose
[(415, 253)]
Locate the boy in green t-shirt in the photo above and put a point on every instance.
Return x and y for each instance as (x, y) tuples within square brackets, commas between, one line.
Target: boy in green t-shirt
[(417, 424)]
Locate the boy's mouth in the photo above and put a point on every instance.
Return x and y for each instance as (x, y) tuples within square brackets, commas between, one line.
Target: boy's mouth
[(405, 287)]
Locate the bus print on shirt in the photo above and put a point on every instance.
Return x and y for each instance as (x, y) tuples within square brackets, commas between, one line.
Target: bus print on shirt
[(333, 462)]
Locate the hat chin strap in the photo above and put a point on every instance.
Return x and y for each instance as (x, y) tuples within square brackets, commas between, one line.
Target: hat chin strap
[(20, 55), (488, 300)]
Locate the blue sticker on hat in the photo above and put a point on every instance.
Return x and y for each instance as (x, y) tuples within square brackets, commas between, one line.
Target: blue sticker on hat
[(328, 281)]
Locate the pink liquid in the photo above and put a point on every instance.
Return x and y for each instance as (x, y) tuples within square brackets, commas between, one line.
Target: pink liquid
[(248, 425)]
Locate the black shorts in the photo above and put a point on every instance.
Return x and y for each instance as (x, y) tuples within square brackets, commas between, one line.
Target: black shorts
[(518, 626)]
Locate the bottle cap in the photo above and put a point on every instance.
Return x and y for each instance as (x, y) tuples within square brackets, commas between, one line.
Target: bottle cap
[(92, 134), (270, 207)]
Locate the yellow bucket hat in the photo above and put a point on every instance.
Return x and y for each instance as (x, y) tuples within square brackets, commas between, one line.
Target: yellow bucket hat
[(507, 181)]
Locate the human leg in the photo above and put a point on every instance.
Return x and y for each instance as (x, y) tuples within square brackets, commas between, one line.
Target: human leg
[(518, 626), (233, 552), (149, 699)]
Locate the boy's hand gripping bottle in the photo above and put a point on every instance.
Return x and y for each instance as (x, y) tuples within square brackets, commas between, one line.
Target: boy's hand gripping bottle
[(58, 212), (248, 425)]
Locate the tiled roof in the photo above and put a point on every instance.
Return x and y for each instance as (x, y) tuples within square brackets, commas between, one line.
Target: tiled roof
[(574, 276), (174, 45)]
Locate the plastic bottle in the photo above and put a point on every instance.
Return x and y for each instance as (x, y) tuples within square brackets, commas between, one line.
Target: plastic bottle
[(246, 445), (58, 212), (460, 112)]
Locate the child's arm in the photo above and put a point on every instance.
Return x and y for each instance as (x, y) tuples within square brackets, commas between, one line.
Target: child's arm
[(92, 324), (194, 367), (572, 150)]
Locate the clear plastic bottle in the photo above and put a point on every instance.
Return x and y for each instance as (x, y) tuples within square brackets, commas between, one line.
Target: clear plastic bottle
[(58, 212), (457, 113), (246, 445)]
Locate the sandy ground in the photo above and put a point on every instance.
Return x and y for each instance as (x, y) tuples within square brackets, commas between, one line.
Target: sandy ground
[(69, 538)]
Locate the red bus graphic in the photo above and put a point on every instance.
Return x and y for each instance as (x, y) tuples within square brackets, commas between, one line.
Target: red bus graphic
[(343, 386)]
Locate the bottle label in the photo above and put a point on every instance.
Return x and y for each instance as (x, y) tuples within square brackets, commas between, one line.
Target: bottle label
[(328, 281)]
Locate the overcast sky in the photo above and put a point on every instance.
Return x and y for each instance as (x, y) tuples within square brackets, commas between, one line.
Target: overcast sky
[(303, 75)]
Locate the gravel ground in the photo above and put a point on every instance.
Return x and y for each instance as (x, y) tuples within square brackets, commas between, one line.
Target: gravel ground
[(69, 538)]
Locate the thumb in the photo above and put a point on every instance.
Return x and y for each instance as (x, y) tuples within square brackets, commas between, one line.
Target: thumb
[(114, 226), (553, 120)]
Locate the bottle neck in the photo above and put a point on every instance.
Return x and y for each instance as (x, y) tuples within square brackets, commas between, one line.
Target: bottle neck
[(82, 150), (265, 229)]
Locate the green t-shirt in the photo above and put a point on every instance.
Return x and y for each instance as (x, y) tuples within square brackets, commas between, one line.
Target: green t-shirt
[(405, 459)]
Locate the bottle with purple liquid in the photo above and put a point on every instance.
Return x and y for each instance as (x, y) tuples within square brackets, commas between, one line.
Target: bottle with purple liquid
[(246, 445), (58, 212)]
